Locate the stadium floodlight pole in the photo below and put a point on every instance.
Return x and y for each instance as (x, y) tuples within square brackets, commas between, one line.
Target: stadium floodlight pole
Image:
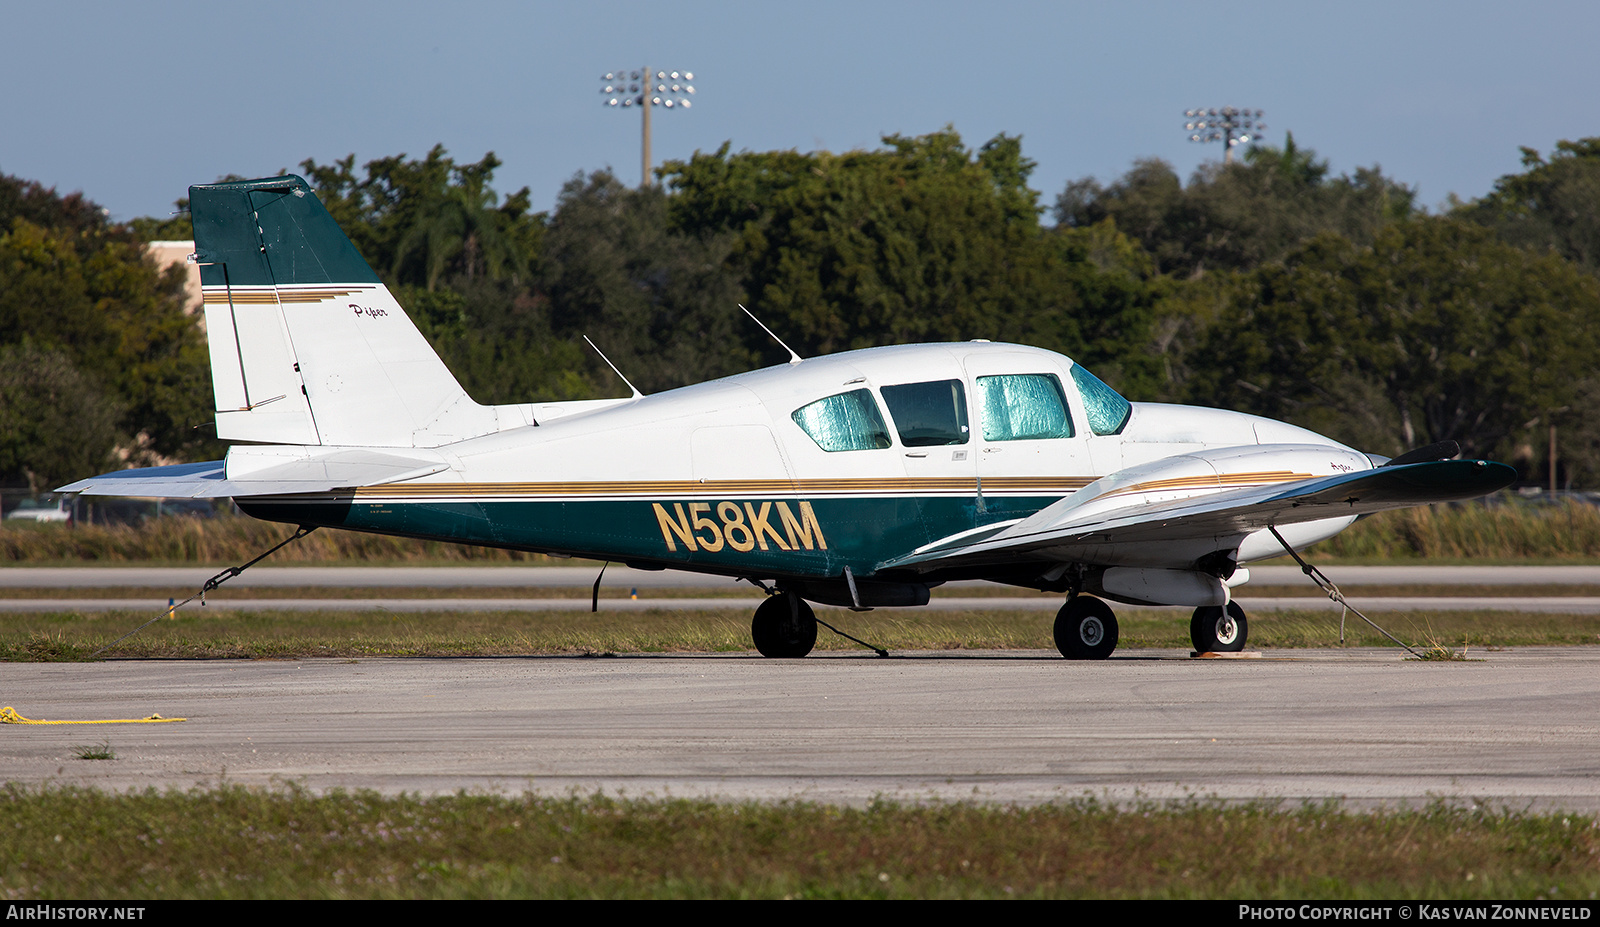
[(1229, 125), (646, 90)]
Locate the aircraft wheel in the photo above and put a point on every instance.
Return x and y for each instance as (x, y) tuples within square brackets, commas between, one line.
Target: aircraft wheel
[(1219, 630), (1086, 629), (784, 626)]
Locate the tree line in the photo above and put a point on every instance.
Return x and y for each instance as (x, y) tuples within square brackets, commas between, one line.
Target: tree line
[(1267, 285)]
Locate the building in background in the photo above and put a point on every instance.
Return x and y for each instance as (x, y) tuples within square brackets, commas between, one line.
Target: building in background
[(168, 253)]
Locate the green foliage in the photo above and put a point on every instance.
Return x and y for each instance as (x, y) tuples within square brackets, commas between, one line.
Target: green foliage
[(1434, 331), (107, 332), (55, 424), (235, 842), (99, 751), (1553, 205), (425, 222), (73, 213), (496, 338), (491, 629), (1332, 302), (177, 227), (661, 302), (923, 240), (1237, 216), (465, 264)]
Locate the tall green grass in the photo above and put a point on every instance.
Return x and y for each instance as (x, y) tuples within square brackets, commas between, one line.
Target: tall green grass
[(1509, 531), (1564, 532), (196, 633), (230, 842)]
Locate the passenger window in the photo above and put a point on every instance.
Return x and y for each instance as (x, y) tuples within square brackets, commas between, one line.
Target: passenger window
[(1023, 407), (1107, 411), (846, 422), (928, 414)]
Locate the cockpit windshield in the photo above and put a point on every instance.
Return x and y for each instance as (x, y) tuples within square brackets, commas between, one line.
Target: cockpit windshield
[(1107, 411)]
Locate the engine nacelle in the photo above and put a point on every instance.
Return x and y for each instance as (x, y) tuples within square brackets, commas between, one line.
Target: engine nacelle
[(1263, 546), (1208, 472), (1153, 586), (1193, 476)]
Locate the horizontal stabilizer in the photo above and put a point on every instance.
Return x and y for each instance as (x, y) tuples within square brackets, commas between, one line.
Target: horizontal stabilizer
[(356, 466), (285, 475), (183, 481)]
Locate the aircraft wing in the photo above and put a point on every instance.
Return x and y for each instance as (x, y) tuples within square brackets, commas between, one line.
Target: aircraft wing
[(284, 476), (1073, 531)]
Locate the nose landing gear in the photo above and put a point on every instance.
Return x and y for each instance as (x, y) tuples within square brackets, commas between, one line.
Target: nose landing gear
[(1215, 629)]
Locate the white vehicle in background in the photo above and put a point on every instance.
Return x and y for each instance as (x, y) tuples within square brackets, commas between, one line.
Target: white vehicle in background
[(55, 509)]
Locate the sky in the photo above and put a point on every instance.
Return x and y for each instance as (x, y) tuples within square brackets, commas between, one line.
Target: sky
[(131, 103)]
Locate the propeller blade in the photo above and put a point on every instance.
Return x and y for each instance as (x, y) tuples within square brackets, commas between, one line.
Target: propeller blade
[(1439, 450)]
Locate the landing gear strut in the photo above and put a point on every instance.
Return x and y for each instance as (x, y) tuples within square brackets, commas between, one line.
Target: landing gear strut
[(1086, 629), (784, 626), (1215, 629)]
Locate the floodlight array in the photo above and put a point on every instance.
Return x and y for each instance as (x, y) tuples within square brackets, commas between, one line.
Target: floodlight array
[(668, 89), (1227, 124), (646, 89)]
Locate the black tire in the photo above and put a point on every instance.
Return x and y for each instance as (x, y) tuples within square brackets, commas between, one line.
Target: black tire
[(1086, 629), (784, 626), (1214, 629)]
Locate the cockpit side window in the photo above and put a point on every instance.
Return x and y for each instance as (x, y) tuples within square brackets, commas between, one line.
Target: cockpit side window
[(928, 414), (846, 422), (1023, 407), (1108, 412)]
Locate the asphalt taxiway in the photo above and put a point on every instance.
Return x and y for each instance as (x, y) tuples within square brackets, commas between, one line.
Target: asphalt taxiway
[(1511, 728)]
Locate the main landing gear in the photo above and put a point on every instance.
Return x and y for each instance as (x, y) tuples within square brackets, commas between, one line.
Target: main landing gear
[(784, 626), (1086, 629), (1215, 629)]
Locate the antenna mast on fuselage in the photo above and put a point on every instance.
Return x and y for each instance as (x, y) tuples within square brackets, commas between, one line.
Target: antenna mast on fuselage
[(793, 357), (636, 393)]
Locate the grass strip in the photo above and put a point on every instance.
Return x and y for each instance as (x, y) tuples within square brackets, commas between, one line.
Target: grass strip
[(237, 843), (248, 634)]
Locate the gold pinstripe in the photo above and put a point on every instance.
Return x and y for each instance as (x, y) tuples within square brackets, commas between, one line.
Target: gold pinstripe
[(622, 489), (723, 488), (1219, 481), (269, 296)]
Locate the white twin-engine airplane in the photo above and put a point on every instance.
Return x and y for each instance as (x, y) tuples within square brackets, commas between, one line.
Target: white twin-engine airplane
[(859, 479)]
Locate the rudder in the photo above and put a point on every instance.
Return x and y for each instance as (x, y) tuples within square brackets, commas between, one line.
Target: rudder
[(307, 345)]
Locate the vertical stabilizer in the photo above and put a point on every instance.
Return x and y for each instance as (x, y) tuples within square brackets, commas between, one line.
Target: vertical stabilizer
[(307, 345)]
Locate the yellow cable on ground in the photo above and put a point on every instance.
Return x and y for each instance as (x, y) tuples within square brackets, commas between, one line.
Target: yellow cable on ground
[(8, 715)]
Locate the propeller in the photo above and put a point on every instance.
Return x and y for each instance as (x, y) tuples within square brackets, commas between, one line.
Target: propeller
[(1439, 450)]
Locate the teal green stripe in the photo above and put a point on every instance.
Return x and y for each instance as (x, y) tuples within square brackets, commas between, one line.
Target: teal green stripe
[(859, 533)]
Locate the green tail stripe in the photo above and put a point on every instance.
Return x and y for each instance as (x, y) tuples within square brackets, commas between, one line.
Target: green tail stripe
[(272, 231)]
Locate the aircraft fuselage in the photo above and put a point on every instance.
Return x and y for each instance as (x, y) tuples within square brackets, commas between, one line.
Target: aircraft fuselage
[(723, 477)]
